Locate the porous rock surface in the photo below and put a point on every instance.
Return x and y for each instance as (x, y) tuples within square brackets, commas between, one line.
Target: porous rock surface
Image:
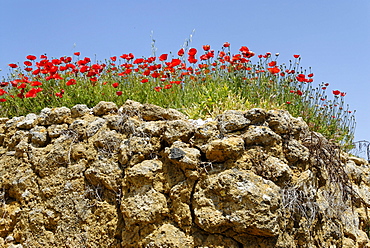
[(144, 176)]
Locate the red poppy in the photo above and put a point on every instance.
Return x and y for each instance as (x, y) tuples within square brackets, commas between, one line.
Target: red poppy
[(43, 56), (336, 92), (274, 70), (2, 92), (310, 75), (175, 82), (192, 59), (138, 61), (31, 57), (28, 69), (163, 57), (288, 102), (32, 92), (272, 63), (144, 80), (113, 58), (168, 86), (343, 93), (206, 47), (226, 44), (158, 89), (192, 52), (77, 53), (298, 92), (13, 65), (2, 100), (115, 85), (244, 49), (118, 93), (36, 83), (296, 56), (174, 63), (27, 63), (181, 52), (71, 82)]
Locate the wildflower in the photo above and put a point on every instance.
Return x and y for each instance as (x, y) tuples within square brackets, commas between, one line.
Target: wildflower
[(226, 44), (13, 65), (158, 89), (192, 52), (206, 47), (296, 56), (144, 80), (288, 102), (77, 53), (118, 93), (181, 52), (336, 92), (115, 85), (31, 57), (163, 57), (71, 82), (343, 93)]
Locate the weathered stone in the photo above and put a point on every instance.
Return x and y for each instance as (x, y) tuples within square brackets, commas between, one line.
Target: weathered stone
[(29, 122), (178, 130), (145, 176), (260, 135), (50, 116), (237, 200), (103, 108), (39, 136), (79, 110), (221, 150), (232, 120)]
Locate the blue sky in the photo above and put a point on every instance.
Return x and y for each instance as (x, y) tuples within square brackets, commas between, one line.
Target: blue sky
[(332, 37)]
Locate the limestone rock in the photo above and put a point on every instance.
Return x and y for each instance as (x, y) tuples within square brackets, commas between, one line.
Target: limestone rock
[(146, 176)]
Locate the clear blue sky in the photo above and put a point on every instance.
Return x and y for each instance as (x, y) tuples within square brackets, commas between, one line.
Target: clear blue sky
[(332, 37)]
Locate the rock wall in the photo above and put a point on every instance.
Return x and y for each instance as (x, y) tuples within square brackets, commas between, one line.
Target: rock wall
[(144, 176)]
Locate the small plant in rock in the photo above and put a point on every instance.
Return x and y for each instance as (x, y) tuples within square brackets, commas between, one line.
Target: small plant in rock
[(201, 83)]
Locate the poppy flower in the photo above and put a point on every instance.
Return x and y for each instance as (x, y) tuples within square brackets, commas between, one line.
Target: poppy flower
[(310, 75), (274, 70), (181, 52), (296, 56), (27, 63), (244, 49), (2, 100), (115, 85), (13, 65), (298, 92), (158, 89), (36, 83), (226, 44), (31, 57), (118, 93), (168, 86), (206, 47), (2, 92), (77, 53), (192, 52), (144, 80), (163, 57), (272, 63), (336, 92), (343, 93), (71, 82), (113, 58), (288, 102)]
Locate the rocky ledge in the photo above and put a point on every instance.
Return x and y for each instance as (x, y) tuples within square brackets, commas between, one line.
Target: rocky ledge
[(144, 176)]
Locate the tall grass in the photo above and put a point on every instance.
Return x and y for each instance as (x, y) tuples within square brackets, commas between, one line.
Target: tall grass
[(200, 86)]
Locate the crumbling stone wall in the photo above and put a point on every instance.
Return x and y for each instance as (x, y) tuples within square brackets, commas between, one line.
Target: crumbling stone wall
[(144, 176)]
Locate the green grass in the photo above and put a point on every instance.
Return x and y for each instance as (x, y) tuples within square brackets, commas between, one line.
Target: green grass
[(219, 82)]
